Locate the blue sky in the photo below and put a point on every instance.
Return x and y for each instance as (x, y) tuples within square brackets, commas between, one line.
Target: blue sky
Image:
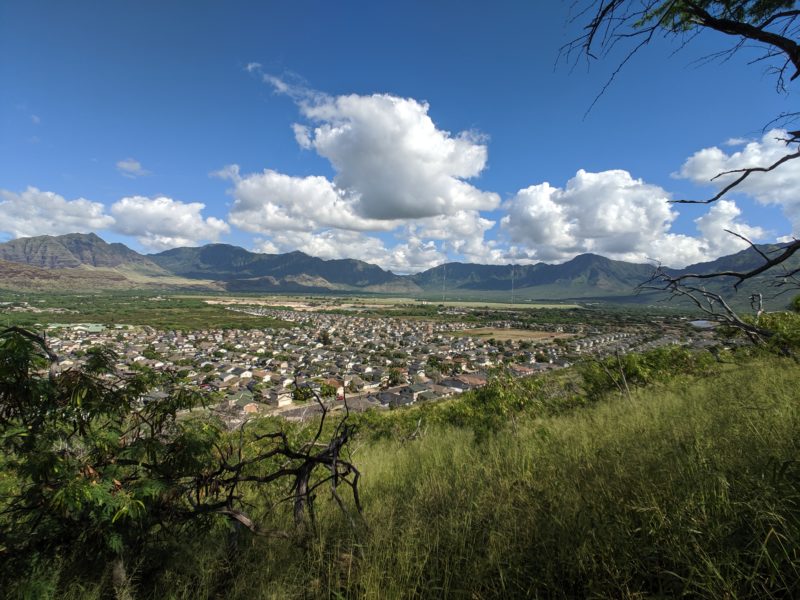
[(402, 134)]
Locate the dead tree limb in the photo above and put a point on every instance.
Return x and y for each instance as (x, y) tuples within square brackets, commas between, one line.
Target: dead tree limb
[(745, 173), (784, 275), (713, 305)]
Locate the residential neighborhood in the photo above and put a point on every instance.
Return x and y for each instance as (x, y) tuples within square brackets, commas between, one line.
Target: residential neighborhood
[(373, 362)]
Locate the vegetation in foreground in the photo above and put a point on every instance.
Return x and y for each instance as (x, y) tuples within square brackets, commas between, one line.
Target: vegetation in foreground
[(673, 484)]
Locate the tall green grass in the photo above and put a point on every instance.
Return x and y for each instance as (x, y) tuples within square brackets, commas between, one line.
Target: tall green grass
[(689, 488)]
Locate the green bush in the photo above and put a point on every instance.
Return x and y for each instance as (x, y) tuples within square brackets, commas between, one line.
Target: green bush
[(786, 331), (483, 411), (96, 474), (620, 373)]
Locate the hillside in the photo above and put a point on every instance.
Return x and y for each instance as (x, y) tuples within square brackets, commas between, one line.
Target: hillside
[(587, 275), (518, 490), (246, 271), (23, 277), (234, 269), (73, 251)]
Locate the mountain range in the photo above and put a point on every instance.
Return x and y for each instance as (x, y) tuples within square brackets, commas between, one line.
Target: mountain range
[(85, 261)]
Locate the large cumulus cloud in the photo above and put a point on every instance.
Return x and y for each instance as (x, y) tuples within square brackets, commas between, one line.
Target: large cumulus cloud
[(609, 213), (616, 215), (273, 202), (389, 154), (394, 170)]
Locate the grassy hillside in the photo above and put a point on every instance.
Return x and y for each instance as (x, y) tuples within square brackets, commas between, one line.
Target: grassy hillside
[(685, 488), (20, 277)]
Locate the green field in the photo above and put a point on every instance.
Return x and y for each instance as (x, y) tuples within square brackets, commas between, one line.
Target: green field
[(184, 313)]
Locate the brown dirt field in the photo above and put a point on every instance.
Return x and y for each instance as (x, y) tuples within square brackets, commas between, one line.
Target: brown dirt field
[(516, 334)]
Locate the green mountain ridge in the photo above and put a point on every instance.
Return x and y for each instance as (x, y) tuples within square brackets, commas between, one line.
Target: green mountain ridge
[(590, 269), (296, 271), (82, 259)]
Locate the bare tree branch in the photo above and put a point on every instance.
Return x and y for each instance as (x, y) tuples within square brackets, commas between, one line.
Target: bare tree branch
[(710, 303), (785, 253), (779, 15), (746, 30), (745, 173)]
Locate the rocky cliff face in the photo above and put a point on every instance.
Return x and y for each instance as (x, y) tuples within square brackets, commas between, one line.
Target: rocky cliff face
[(72, 251)]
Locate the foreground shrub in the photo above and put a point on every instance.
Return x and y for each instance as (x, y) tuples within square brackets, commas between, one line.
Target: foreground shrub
[(96, 474), (620, 373)]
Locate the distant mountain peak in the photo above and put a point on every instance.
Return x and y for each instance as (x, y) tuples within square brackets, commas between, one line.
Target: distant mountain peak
[(225, 266), (70, 251)]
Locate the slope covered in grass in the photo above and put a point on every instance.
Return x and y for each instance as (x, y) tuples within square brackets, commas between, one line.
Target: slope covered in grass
[(688, 488), (691, 489)]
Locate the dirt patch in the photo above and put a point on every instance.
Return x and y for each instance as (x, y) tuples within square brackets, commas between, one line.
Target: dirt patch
[(516, 334)]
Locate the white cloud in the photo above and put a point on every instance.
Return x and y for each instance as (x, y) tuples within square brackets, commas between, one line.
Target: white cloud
[(609, 213), (271, 201), (735, 141), (302, 135), (130, 167), (161, 223), (724, 215), (412, 255), (36, 119), (714, 241), (780, 187), (390, 159), (265, 246), (328, 244), (393, 169), (34, 212), (389, 154), (464, 233), (613, 214)]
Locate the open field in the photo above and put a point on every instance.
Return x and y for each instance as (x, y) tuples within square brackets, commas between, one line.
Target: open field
[(209, 310), (514, 334), (313, 303), (160, 312), (502, 305)]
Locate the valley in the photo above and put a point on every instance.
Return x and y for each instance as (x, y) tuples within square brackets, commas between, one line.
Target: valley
[(86, 262)]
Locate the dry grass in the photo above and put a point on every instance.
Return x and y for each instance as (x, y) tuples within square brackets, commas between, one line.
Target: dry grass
[(515, 334)]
